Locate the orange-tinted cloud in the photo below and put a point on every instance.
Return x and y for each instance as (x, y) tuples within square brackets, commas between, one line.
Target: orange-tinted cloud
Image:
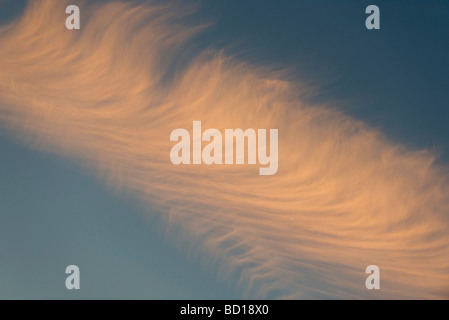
[(344, 197)]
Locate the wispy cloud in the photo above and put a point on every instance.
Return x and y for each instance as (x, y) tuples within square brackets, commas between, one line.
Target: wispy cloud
[(344, 197)]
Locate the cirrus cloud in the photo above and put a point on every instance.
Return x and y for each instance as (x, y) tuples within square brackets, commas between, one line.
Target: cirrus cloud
[(344, 196)]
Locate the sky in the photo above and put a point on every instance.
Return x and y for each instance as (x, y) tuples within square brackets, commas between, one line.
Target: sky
[(72, 192)]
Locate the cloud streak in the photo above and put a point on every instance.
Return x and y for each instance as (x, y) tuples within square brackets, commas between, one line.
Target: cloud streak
[(344, 196)]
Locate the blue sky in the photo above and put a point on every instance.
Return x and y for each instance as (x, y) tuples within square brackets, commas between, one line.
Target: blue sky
[(53, 213), (394, 78)]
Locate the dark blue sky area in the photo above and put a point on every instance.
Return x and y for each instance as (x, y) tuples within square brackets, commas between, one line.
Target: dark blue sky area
[(395, 78)]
